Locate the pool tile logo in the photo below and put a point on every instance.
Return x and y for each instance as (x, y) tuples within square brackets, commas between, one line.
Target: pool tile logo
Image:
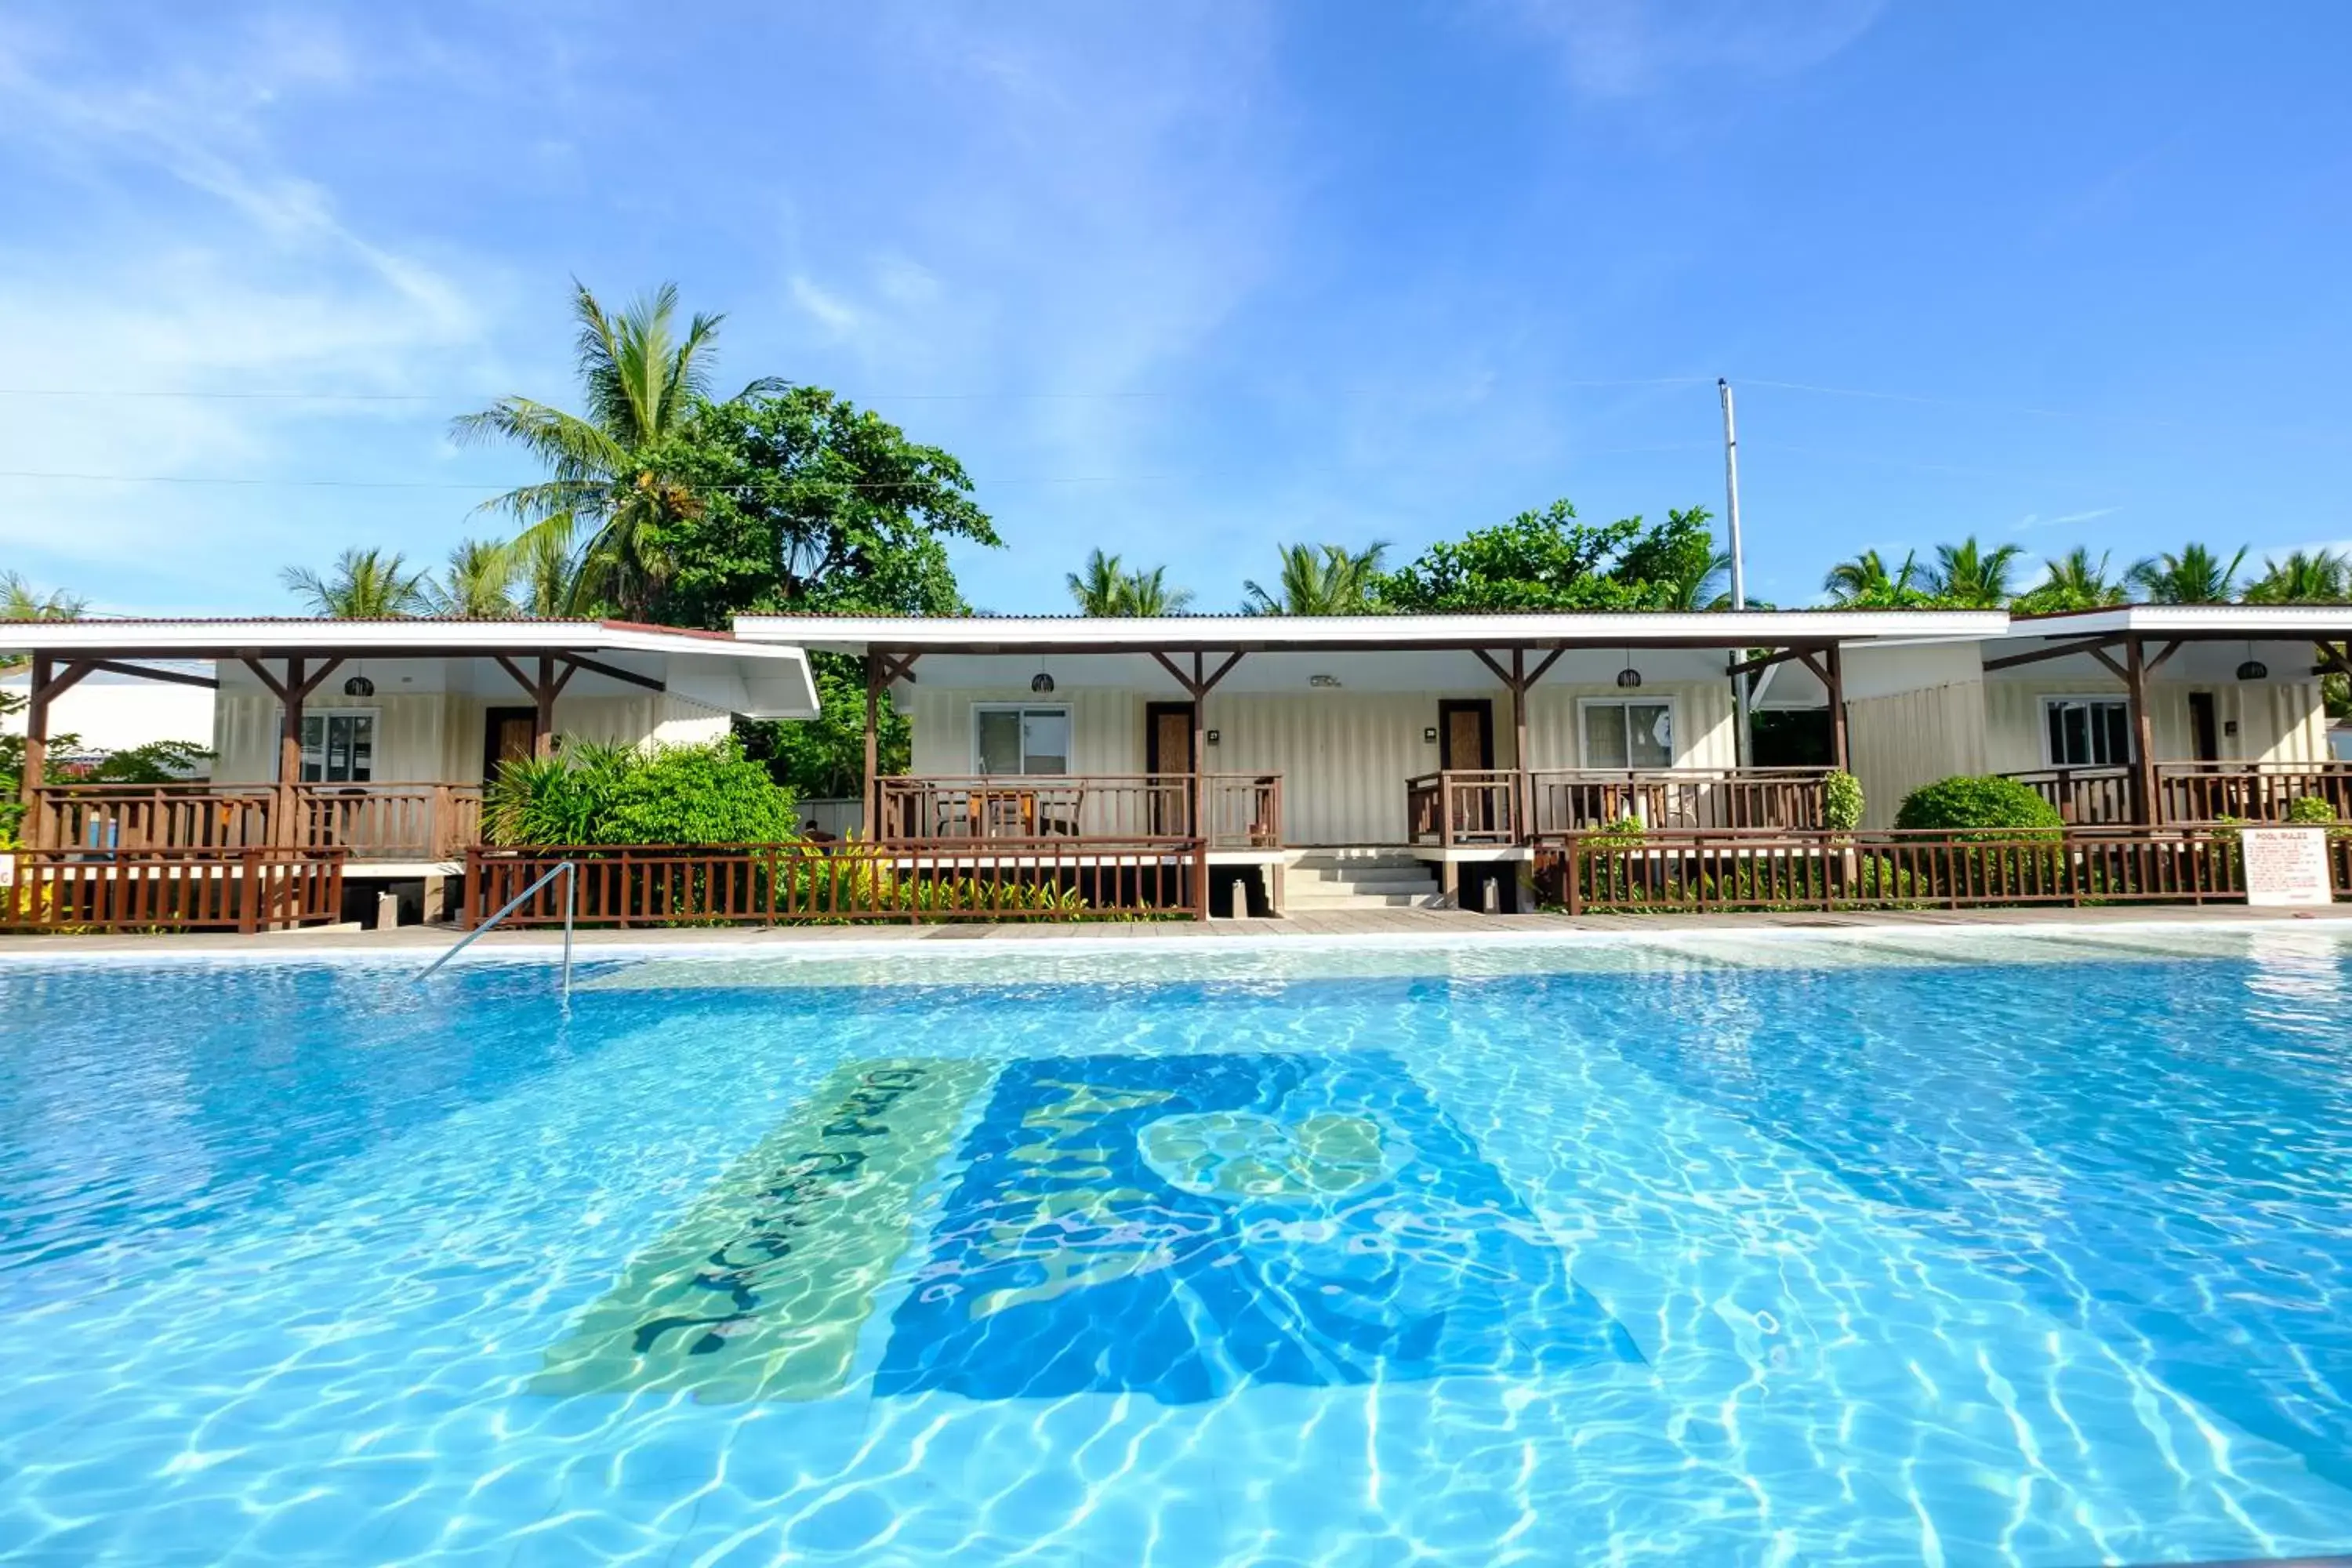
[(1178, 1225), (1174, 1226), (760, 1292)]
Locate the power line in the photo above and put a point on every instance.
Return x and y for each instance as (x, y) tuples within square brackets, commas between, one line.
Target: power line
[(1007, 395)]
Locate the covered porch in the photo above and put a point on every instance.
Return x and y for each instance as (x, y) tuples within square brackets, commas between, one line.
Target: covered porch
[(373, 739), (2170, 715), (1451, 738)]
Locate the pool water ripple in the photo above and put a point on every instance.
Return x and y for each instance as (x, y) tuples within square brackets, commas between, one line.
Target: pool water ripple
[(1831, 1255)]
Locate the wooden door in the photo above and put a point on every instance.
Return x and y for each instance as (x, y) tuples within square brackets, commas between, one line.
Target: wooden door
[(1168, 749), (2205, 733), (506, 737), (1466, 736)]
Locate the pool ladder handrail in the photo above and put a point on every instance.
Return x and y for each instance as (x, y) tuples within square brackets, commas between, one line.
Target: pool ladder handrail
[(569, 872)]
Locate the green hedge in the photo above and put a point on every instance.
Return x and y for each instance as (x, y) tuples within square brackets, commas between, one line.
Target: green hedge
[(594, 793), (1962, 804)]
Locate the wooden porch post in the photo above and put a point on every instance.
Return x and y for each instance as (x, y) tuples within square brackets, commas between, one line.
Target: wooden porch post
[(290, 754), (37, 751), (2143, 730), (543, 709), (1201, 765), (873, 807), (1835, 661)]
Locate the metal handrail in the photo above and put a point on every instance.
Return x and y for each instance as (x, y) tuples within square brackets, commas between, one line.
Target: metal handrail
[(567, 868)]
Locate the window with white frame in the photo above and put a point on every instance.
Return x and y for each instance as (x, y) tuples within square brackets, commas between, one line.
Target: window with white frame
[(1631, 733), (2087, 731), (1020, 738), (339, 746)]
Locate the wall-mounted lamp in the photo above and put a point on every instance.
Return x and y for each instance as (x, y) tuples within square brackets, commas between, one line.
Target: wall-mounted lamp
[(359, 686), (1323, 680), (1429, 736)]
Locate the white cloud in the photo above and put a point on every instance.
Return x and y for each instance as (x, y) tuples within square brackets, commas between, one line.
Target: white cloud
[(1622, 48), (2035, 519)]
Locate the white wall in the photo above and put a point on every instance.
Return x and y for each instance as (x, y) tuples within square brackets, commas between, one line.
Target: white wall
[(115, 712), (1344, 754), (439, 737), (2277, 721)]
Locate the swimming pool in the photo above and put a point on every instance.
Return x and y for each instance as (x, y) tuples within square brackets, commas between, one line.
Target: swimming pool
[(1740, 1249)]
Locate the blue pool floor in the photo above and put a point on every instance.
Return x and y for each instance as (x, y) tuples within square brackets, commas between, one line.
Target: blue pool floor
[(340, 1368)]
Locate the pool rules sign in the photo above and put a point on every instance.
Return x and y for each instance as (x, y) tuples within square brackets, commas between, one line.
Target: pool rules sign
[(2286, 865)]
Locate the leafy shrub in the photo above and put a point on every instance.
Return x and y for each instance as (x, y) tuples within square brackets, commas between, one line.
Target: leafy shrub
[(1841, 802), (1626, 830), (594, 793), (1962, 804), (2310, 811)]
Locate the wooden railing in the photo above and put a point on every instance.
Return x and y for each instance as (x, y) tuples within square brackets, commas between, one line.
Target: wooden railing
[(1462, 807), (381, 822), (966, 878), (65, 890), (2085, 798), (1244, 810), (1565, 800), (2254, 792), (1589, 873)]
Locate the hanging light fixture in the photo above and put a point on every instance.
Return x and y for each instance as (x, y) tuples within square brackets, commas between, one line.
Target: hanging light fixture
[(1042, 684), (2254, 669), (359, 686), (1628, 677)]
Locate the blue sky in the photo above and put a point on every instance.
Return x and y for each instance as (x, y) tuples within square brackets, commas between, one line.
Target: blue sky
[(1189, 280)]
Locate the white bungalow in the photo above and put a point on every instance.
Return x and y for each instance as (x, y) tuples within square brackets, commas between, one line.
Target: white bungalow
[(377, 736), (1392, 759)]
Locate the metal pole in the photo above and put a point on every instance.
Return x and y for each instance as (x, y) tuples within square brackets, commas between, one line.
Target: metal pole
[(1741, 739)]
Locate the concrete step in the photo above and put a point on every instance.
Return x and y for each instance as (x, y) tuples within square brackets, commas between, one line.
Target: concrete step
[(1298, 903), (1399, 880)]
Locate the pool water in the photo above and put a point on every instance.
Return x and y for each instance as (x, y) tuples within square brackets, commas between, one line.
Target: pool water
[(1967, 1248)]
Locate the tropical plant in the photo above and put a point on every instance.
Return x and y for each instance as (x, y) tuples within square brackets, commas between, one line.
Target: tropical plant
[(1104, 588), (1865, 583), (547, 572), (19, 602), (1701, 588), (2073, 582), (1548, 561), (1321, 580), (479, 583), (642, 380), (2195, 576), (362, 585), (1842, 802), (1968, 576), (805, 501), (1963, 803), (151, 762), (597, 794), (2304, 577)]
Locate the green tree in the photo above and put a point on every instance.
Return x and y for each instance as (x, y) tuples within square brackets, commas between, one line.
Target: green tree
[(2304, 577), (1865, 584), (547, 571), (808, 503), (2195, 576), (1321, 580), (477, 584), (1968, 576), (642, 381), (1548, 561), (1147, 594), (812, 504), (362, 585), (2073, 582)]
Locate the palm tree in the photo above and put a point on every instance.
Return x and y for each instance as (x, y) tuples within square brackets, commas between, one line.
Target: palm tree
[(1971, 578), (364, 585), (1102, 588), (2074, 582), (2195, 576), (548, 571), (18, 602), (2304, 577), (1865, 582), (640, 378), (1702, 589), (1147, 594), (477, 585), (1336, 582)]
